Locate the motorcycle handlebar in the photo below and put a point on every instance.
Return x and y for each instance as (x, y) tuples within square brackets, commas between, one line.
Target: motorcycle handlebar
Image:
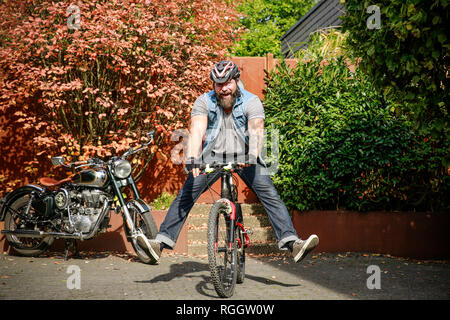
[(143, 146), (97, 161)]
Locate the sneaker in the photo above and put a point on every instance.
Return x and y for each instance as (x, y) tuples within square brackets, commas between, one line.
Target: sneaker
[(151, 247), (302, 247)]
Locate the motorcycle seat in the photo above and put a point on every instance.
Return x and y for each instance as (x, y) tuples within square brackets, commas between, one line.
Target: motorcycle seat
[(50, 182)]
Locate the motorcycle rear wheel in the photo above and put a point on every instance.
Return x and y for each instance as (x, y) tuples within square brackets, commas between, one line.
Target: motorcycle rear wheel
[(29, 247)]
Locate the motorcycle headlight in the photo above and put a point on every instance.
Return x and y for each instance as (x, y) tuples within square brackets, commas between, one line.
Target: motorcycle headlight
[(122, 169)]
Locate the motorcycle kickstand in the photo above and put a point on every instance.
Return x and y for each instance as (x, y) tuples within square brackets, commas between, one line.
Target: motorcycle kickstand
[(76, 253)]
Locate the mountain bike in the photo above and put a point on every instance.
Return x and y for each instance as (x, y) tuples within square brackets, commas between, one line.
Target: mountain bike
[(227, 237)]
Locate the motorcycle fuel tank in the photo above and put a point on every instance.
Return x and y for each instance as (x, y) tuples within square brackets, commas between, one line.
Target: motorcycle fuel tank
[(90, 178)]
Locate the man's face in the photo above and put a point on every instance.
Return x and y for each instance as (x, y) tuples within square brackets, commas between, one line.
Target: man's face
[(226, 93)]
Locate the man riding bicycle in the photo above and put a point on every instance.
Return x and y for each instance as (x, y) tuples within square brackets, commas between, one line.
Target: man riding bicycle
[(232, 119)]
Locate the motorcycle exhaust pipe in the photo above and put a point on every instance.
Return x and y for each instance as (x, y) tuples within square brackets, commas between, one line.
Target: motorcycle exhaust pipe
[(38, 234), (64, 235)]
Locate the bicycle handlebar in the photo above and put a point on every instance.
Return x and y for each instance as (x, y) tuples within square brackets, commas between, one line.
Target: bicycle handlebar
[(211, 167)]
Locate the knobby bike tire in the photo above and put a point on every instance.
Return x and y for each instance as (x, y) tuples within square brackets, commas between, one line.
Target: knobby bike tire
[(222, 261)]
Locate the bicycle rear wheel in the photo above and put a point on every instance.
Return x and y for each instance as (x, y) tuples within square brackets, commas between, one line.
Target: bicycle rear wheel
[(222, 256)]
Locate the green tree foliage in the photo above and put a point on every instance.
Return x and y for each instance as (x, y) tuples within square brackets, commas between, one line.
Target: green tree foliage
[(406, 55), (266, 21), (342, 145)]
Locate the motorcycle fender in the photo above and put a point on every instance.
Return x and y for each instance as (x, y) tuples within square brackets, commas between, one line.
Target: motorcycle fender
[(14, 195), (140, 204)]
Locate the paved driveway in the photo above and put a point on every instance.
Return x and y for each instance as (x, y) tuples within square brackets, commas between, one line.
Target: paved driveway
[(323, 276)]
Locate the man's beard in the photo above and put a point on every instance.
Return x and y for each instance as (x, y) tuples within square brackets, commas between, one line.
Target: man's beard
[(227, 103)]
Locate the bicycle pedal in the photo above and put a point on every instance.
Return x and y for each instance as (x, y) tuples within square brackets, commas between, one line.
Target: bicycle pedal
[(249, 231)]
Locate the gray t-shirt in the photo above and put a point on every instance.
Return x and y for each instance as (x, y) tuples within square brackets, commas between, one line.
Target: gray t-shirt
[(227, 141)]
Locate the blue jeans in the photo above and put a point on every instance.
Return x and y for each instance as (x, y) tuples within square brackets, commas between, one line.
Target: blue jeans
[(255, 177)]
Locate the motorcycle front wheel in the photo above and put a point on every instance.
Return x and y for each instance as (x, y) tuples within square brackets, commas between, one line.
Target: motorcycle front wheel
[(15, 220), (145, 223)]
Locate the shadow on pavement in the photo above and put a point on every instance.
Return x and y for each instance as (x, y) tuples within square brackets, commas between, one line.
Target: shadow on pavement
[(205, 287), (349, 274), (178, 270)]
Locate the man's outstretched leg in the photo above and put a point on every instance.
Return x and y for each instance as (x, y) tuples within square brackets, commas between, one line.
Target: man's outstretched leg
[(177, 214), (258, 179)]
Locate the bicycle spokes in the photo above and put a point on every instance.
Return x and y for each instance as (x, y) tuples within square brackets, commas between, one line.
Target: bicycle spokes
[(221, 252)]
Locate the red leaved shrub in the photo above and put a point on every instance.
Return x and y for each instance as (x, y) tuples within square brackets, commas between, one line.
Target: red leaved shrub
[(95, 87)]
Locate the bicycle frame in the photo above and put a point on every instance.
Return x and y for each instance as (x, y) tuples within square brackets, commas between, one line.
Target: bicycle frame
[(229, 244), (228, 191)]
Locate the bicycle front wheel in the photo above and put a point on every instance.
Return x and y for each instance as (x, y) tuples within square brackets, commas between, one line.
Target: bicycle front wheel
[(222, 253)]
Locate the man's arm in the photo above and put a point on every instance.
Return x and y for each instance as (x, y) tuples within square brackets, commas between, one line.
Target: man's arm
[(198, 130), (256, 135)]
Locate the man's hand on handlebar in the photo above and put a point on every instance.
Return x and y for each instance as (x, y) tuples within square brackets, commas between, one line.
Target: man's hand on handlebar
[(251, 160), (196, 172), (193, 165)]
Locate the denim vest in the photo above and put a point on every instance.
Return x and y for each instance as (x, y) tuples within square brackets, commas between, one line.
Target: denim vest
[(215, 118)]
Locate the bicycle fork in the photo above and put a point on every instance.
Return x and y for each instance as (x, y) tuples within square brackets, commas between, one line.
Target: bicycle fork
[(228, 194), (235, 211)]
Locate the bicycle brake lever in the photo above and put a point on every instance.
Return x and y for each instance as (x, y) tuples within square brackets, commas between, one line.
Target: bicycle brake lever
[(208, 169), (229, 166)]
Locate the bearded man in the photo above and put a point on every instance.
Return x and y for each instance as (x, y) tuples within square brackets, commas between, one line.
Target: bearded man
[(232, 120)]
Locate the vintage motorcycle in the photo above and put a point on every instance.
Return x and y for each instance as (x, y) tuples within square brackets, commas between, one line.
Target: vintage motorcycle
[(78, 207)]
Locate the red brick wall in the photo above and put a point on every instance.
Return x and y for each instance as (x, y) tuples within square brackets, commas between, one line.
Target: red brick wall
[(405, 234)]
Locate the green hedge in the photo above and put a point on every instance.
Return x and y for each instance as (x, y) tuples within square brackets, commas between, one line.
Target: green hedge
[(407, 55), (343, 147)]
